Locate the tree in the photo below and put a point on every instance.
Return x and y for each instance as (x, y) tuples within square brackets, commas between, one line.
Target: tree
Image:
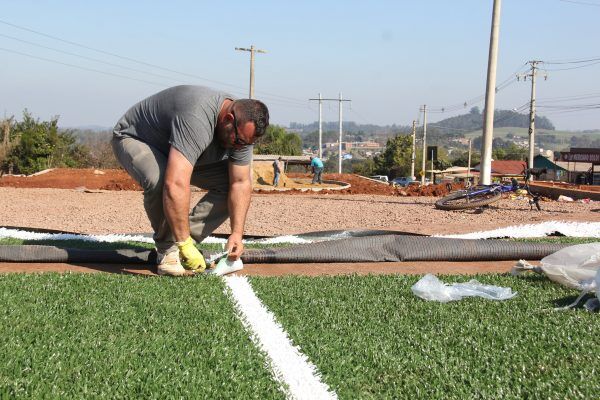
[(277, 141), (364, 167), (461, 159), (40, 145), (395, 157), (510, 152)]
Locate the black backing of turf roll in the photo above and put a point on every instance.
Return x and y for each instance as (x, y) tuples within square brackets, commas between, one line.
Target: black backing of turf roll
[(402, 248), (332, 234), (378, 248), (35, 253)]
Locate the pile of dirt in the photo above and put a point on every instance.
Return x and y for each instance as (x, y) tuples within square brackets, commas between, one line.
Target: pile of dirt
[(358, 185), (441, 189), (74, 178), (263, 174), (118, 179)]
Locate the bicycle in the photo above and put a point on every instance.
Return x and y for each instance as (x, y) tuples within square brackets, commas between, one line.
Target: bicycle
[(483, 195)]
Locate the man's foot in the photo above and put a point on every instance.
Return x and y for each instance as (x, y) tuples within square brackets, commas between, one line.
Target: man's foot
[(169, 264)]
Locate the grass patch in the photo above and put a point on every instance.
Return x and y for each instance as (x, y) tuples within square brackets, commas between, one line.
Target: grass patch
[(558, 239), (116, 336), (82, 244), (372, 338)]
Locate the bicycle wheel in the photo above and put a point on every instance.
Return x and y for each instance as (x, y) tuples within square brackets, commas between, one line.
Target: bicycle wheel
[(463, 200)]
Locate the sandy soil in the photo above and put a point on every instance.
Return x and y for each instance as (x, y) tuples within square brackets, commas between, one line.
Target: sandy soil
[(105, 212), (87, 209)]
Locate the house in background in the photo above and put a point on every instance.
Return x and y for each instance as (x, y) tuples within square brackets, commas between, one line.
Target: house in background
[(581, 164), (506, 169), (554, 171)]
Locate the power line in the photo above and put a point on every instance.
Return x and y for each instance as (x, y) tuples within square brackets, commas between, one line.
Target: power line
[(583, 3), (568, 68), (83, 68), (86, 58), (573, 61), (568, 98), (72, 43), (459, 106)]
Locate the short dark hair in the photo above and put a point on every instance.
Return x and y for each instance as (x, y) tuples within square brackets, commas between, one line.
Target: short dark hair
[(254, 111)]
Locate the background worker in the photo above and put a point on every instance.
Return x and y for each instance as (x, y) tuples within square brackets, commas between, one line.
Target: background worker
[(277, 170), (191, 135), (317, 168)]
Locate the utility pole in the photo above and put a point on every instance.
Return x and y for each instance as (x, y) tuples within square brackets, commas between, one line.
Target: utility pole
[(413, 155), (340, 100), (320, 124), (532, 75), (340, 140), (469, 164), (252, 50), (423, 165), (6, 133), (432, 180), (485, 174)]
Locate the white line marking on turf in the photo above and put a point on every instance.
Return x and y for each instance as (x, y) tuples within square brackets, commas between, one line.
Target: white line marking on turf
[(298, 376), (574, 229), (27, 235)]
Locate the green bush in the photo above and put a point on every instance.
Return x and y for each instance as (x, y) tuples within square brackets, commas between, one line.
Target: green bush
[(37, 145)]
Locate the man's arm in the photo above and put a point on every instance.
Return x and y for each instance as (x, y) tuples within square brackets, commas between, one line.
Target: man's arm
[(176, 194), (240, 191)]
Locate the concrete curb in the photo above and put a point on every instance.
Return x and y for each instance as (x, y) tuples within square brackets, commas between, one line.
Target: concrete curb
[(341, 186)]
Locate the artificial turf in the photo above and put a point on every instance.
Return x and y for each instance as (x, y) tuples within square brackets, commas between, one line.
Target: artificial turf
[(118, 336), (371, 337), (84, 244)]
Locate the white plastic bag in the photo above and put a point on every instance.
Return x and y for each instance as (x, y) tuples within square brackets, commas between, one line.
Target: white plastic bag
[(574, 266), (430, 287)]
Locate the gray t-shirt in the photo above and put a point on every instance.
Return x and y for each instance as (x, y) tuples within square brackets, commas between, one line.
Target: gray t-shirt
[(184, 117)]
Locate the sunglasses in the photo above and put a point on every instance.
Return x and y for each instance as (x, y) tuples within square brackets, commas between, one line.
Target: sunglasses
[(237, 141)]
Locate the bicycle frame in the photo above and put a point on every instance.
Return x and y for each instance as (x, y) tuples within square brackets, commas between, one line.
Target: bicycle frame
[(493, 188)]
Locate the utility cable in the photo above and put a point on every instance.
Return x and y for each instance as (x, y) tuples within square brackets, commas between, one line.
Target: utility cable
[(83, 68), (72, 43), (88, 58)]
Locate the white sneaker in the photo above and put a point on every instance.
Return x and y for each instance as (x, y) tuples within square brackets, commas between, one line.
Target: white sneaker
[(168, 264), (224, 266)]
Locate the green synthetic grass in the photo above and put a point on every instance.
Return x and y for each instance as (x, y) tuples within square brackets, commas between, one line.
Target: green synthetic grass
[(82, 244), (370, 337), (117, 336), (558, 239)]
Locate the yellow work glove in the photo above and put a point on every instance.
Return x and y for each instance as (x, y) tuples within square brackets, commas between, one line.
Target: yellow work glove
[(190, 256)]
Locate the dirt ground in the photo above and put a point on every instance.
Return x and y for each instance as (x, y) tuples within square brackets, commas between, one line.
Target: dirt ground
[(109, 202)]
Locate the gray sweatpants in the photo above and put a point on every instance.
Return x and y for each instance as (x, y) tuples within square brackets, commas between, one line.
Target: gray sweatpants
[(147, 167)]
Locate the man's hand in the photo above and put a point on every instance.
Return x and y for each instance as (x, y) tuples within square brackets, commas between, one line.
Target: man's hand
[(235, 247), (190, 256)]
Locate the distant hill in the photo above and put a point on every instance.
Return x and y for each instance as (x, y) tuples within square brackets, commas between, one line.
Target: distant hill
[(348, 127), (455, 126), (93, 128), (473, 121)]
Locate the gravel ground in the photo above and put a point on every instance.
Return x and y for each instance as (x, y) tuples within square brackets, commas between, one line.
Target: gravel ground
[(105, 212)]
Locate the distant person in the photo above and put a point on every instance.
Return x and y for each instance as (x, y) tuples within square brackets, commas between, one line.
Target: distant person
[(277, 170), (317, 169), (191, 135)]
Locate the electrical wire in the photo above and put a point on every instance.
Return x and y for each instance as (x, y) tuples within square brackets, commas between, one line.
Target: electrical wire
[(583, 3), (72, 43), (87, 58), (83, 68), (455, 107)]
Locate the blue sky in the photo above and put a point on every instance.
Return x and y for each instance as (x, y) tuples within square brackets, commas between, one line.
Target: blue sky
[(388, 57)]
